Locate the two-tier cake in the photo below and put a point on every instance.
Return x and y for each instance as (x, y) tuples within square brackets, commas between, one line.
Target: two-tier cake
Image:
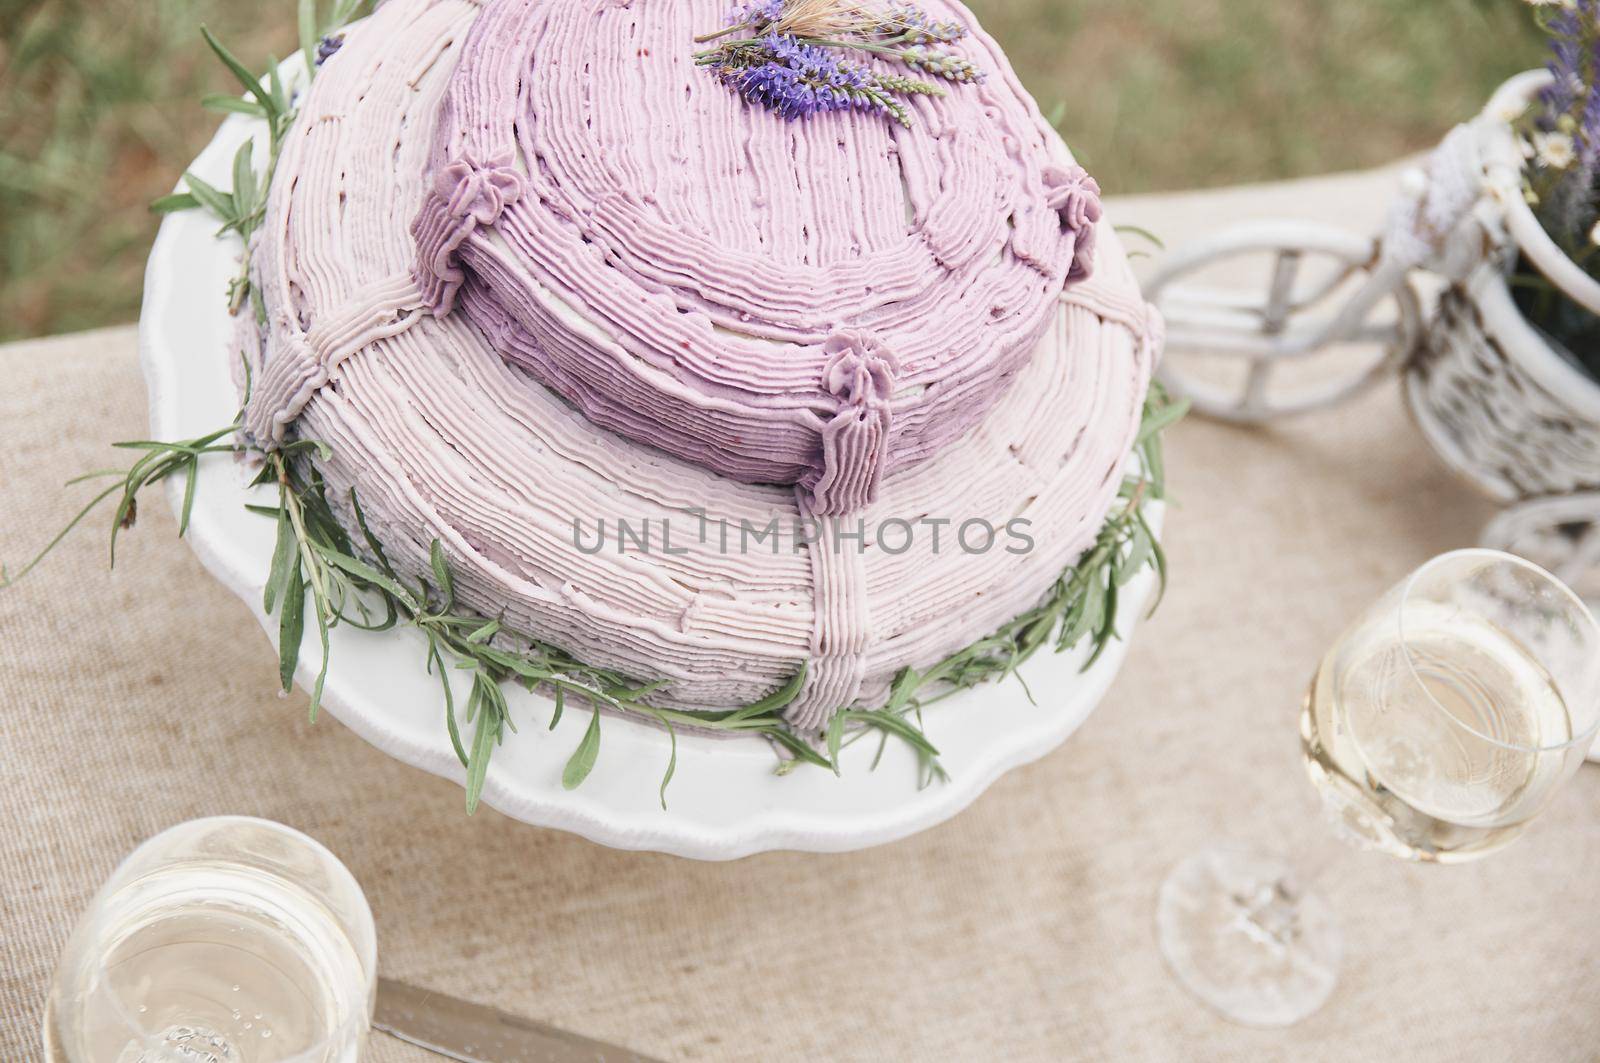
[(705, 371)]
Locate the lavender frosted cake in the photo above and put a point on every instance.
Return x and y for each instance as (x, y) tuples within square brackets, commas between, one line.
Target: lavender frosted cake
[(540, 272)]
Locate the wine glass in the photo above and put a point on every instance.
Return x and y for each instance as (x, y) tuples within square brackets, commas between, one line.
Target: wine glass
[(222, 940), (1435, 729)]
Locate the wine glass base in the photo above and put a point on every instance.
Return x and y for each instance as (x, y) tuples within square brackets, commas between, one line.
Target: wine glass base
[(1244, 938)]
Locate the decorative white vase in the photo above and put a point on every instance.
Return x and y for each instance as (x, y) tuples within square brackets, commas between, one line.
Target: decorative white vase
[(1502, 403)]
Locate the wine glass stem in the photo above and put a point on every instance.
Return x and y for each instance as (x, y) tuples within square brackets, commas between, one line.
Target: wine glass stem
[(1271, 914)]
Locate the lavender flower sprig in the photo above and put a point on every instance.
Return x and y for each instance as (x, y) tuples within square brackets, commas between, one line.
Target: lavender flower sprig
[(328, 47), (797, 80), (1560, 133), (942, 64), (749, 17), (789, 65), (918, 28)]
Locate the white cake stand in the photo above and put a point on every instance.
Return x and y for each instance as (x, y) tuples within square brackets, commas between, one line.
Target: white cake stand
[(725, 800)]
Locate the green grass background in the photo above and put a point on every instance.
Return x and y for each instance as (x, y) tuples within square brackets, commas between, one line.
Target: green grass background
[(98, 110)]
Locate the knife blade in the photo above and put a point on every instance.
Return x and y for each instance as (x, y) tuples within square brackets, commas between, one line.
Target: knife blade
[(474, 1033)]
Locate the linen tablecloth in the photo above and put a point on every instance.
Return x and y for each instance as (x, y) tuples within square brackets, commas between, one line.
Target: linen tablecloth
[(1022, 929)]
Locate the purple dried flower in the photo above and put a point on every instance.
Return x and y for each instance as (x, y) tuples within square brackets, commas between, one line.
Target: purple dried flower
[(919, 28), (1561, 133), (1589, 123), (941, 64), (327, 47), (756, 13), (783, 48), (1568, 112), (1566, 60), (1584, 182), (775, 87), (796, 73), (798, 80)]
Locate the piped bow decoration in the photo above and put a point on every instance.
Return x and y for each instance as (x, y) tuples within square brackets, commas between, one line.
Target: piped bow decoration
[(465, 194), (1075, 196), (859, 374)]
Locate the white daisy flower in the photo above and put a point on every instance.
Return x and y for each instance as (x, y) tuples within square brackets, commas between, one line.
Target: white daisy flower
[(1555, 150)]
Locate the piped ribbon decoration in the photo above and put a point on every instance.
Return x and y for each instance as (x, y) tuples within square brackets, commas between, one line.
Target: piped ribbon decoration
[(860, 375)]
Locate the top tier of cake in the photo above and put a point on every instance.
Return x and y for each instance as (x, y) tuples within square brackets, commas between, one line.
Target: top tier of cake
[(816, 302)]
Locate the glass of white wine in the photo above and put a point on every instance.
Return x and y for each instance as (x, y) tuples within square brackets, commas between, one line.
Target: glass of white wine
[(1442, 721), (223, 940)]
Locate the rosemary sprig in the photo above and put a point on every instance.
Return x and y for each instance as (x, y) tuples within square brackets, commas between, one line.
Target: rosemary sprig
[(161, 461)]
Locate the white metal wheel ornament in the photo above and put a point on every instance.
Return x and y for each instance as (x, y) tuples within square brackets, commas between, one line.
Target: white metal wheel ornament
[(1488, 391), (1560, 533), (1295, 317)]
